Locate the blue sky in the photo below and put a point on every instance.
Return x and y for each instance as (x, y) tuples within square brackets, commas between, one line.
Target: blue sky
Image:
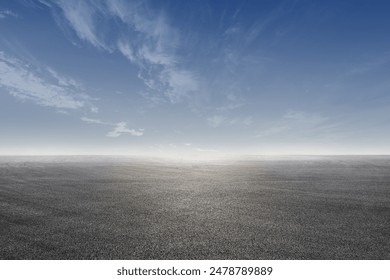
[(194, 78)]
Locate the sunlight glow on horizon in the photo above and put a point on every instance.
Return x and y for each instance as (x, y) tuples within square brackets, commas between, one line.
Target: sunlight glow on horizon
[(186, 155)]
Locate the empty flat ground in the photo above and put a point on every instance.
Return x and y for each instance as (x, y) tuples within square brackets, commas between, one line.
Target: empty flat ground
[(264, 208)]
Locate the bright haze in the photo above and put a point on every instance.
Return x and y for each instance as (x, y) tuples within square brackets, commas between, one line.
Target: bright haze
[(194, 78)]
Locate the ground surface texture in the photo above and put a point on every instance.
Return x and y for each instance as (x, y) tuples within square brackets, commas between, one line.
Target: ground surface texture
[(272, 208)]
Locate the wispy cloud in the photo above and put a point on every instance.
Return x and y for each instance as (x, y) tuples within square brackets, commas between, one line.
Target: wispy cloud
[(152, 47), (232, 30), (94, 121), (62, 80), (304, 117), (179, 83), (220, 120), (216, 120), (7, 13), (375, 63), (121, 128), (117, 128), (27, 83), (46, 87), (81, 16), (265, 22), (94, 109), (154, 52), (297, 124)]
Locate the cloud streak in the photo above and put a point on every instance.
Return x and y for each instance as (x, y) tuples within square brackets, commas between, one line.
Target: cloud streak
[(121, 128), (118, 129), (298, 124), (216, 121), (7, 13), (94, 121), (26, 83), (220, 120), (152, 47), (45, 87)]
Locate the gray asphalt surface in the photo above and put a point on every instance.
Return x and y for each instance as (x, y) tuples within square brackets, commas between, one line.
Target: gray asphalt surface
[(272, 208)]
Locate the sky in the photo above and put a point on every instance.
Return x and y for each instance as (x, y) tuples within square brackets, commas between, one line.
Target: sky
[(194, 78)]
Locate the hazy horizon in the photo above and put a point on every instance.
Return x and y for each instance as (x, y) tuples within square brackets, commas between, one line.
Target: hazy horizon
[(196, 158)]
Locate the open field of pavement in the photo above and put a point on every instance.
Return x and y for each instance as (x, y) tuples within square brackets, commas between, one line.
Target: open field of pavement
[(260, 208)]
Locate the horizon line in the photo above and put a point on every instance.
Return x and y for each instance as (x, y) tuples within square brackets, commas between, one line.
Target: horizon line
[(186, 156)]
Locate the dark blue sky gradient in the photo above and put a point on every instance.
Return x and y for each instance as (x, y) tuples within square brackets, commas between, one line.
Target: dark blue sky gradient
[(194, 78)]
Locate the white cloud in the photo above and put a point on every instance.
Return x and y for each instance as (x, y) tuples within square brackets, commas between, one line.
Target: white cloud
[(180, 83), (219, 120), (121, 128), (304, 117), (297, 124), (264, 22), (216, 120), (232, 30), (117, 128), (94, 109), (26, 83), (7, 13), (62, 80), (94, 121), (382, 59), (127, 51), (155, 56), (81, 16), (152, 46)]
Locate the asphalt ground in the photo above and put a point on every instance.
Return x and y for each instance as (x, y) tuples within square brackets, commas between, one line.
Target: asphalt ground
[(271, 208)]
